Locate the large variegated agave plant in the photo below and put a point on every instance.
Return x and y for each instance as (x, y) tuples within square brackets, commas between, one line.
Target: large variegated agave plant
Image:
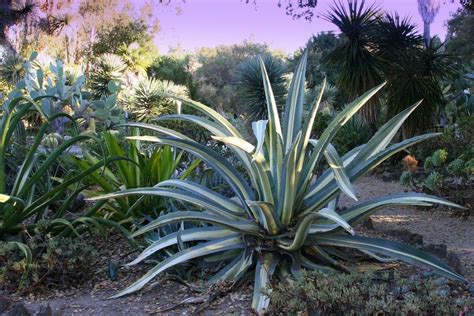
[(283, 218)]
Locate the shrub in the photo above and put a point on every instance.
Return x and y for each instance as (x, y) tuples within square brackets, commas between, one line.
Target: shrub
[(56, 262), (282, 219), (384, 293)]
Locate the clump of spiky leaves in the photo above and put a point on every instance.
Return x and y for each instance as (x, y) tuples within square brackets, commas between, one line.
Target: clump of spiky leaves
[(106, 68), (148, 99), (284, 218), (12, 69), (251, 88)]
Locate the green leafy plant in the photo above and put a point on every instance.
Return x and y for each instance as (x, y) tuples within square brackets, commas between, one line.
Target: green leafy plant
[(250, 85), (141, 168), (32, 190), (282, 218), (106, 68), (148, 99), (369, 293)]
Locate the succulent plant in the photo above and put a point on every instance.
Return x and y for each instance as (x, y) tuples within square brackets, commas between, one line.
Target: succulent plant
[(283, 217)]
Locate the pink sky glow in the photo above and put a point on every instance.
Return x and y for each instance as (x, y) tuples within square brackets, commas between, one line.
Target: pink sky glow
[(209, 23)]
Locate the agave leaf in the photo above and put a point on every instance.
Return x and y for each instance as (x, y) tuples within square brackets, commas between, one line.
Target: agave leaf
[(315, 200), (328, 134), (275, 137), (212, 127), (238, 142), (221, 165), (236, 268), (308, 126), (389, 248), (293, 114), (198, 200), (264, 271), (219, 119), (200, 250), (241, 225), (385, 134), (361, 211), (193, 234), (198, 189), (288, 185), (259, 129), (156, 128), (337, 166), (267, 215)]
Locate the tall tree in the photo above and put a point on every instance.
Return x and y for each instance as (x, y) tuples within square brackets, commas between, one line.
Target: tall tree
[(11, 13), (358, 66), (428, 10)]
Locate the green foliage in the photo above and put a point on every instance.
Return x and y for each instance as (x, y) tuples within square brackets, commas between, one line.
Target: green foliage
[(354, 58), (439, 157), (148, 99), (215, 70), (460, 26), (250, 85), (406, 178), (434, 181), (318, 47), (141, 167), (12, 69), (365, 294), (284, 217), (173, 68), (105, 69)]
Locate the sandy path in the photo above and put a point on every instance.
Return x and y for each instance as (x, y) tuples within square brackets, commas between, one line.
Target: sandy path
[(436, 226)]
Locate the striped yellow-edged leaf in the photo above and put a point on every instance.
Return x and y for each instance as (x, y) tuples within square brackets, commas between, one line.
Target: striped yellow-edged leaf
[(288, 185), (200, 250), (193, 234), (241, 225), (293, 114), (265, 268), (259, 129), (235, 141), (198, 200), (218, 163), (335, 125), (389, 248), (267, 216), (198, 189)]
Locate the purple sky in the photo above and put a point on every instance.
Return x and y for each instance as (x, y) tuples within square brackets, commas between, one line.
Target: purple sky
[(209, 23)]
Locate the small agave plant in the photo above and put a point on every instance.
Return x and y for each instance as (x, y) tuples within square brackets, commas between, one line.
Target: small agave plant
[(282, 218)]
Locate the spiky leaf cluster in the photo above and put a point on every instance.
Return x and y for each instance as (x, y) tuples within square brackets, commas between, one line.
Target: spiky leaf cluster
[(284, 218)]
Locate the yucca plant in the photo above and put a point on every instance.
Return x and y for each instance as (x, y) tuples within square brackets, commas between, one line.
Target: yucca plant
[(106, 68), (12, 69), (251, 89), (283, 218)]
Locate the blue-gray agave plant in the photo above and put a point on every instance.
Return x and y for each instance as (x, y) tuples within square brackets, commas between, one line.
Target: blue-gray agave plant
[(283, 218)]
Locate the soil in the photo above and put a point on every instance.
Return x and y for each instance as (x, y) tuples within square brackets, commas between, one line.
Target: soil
[(165, 297)]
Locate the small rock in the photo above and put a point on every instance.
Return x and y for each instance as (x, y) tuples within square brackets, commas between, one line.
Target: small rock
[(45, 310), (19, 310), (454, 261), (440, 250), (4, 304)]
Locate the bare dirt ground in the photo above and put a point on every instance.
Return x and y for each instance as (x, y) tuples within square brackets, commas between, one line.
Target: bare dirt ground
[(435, 225)]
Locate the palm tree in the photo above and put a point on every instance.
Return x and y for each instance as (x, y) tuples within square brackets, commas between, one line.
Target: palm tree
[(355, 59), (250, 85), (428, 10)]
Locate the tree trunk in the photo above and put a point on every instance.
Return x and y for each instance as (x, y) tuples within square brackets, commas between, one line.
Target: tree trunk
[(426, 33)]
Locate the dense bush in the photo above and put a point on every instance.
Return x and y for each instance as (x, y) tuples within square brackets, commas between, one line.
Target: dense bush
[(55, 263), (385, 293)]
